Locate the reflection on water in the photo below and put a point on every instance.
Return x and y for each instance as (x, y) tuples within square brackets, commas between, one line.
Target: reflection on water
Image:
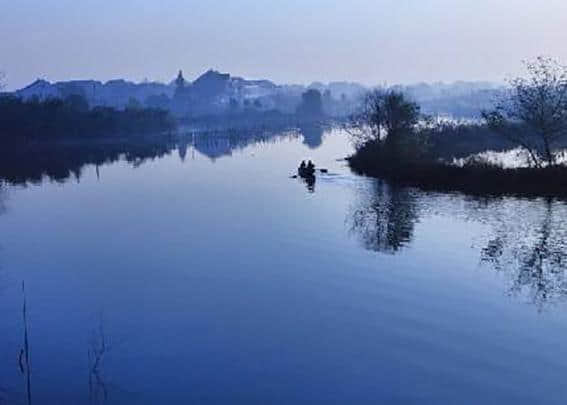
[(24, 357), (3, 196), (3, 209), (231, 284), (309, 182), (60, 162), (384, 217), (99, 348), (312, 134), (524, 239), (64, 160), (223, 144), (531, 248)]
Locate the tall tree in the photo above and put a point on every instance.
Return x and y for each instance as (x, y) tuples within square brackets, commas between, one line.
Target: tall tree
[(532, 113), (385, 115)]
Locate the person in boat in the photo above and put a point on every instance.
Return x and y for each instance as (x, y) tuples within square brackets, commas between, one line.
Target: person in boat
[(303, 170), (306, 170)]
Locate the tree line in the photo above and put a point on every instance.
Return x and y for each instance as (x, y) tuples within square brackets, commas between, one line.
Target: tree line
[(394, 139), (72, 117), (530, 115)]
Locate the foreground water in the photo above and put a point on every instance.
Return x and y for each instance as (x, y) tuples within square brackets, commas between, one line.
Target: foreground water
[(209, 276)]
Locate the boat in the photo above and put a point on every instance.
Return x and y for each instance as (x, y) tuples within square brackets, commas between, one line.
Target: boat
[(305, 172)]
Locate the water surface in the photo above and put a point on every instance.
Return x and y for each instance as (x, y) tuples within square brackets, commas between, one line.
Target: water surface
[(207, 275)]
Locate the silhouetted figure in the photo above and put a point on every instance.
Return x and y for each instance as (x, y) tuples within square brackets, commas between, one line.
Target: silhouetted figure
[(306, 170)]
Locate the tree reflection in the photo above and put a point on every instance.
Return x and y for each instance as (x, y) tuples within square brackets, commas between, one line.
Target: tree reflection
[(99, 347), (384, 217), (3, 197), (534, 256), (312, 134), (524, 240), (59, 161)]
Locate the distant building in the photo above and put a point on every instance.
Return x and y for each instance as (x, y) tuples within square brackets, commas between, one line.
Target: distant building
[(181, 104), (180, 81)]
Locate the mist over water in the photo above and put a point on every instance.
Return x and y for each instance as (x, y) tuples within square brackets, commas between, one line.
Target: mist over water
[(199, 271)]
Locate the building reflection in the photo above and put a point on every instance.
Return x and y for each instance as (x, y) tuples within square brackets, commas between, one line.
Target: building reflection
[(60, 162), (312, 134)]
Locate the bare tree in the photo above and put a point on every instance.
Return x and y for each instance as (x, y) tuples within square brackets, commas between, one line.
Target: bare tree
[(384, 115), (532, 113), (2, 79)]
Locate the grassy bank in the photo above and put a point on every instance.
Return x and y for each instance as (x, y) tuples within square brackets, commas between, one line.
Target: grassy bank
[(473, 178)]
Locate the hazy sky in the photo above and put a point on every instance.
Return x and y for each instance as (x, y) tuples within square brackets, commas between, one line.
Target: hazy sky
[(371, 41)]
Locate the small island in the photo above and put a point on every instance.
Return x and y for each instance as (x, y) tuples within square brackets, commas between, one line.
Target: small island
[(394, 141)]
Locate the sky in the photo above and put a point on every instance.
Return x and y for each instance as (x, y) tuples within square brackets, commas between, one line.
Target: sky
[(287, 41)]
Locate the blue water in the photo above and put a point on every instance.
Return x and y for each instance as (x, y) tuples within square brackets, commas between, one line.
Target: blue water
[(217, 279)]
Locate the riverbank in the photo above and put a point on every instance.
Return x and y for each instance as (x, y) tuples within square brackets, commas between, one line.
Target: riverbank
[(479, 179)]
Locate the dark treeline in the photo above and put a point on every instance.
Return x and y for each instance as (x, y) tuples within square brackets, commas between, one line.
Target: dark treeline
[(426, 159), (52, 119), (474, 178), (71, 117)]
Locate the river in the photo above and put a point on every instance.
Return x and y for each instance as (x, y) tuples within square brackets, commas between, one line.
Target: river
[(205, 274)]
